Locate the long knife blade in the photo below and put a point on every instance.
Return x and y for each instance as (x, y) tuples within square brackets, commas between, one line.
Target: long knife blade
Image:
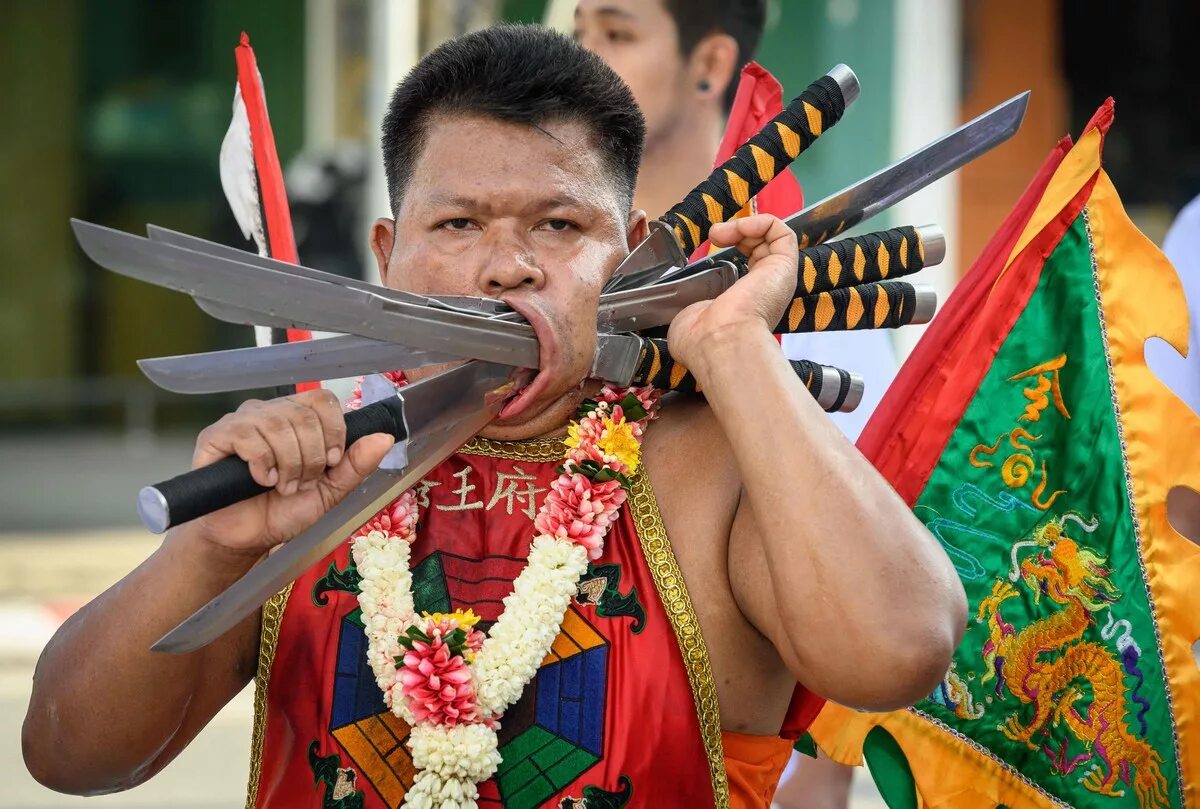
[(442, 412), (623, 311), (457, 303), (311, 303), (873, 195), (350, 355), (284, 364)]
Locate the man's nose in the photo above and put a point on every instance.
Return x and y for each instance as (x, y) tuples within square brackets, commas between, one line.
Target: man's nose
[(508, 267)]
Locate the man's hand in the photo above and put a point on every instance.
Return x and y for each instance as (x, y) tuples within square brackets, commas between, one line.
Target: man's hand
[(297, 445), (756, 301)]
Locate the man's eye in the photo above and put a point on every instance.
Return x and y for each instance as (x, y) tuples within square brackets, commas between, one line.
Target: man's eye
[(456, 224), (613, 35), (557, 225)]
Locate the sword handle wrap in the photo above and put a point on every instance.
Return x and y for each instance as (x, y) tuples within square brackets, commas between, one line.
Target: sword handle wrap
[(738, 179), (880, 305), (656, 367), (860, 260), (210, 488)]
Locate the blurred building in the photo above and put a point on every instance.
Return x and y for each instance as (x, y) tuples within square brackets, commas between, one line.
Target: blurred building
[(116, 110)]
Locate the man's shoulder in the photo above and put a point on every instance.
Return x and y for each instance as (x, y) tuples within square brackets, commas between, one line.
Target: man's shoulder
[(686, 448)]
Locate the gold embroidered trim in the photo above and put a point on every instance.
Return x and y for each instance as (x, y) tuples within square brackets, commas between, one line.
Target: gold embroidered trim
[(268, 640), (537, 449), (672, 591)]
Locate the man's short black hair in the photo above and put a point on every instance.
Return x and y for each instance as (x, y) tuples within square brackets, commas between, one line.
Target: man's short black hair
[(743, 20), (524, 74)]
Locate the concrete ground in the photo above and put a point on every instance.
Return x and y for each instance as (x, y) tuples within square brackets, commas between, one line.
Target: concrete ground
[(67, 532)]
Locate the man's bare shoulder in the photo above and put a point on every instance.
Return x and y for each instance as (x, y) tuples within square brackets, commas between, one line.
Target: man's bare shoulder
[(687, 453)]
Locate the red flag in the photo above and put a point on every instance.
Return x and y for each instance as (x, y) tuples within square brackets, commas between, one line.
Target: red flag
[(273, 215)]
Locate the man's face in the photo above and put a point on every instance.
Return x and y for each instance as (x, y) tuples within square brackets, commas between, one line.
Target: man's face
[(639, 41), (525, 214)]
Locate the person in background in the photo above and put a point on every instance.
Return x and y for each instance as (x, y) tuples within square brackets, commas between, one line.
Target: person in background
[(1182, 375), (681, 59)]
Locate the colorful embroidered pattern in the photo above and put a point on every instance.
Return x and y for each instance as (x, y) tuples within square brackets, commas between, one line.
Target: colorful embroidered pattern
[(593, 797), (600, 588), (345, 581), (340, 790)]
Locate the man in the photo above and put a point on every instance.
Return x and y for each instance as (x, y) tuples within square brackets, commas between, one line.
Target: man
[(511, 156), (681, 59)]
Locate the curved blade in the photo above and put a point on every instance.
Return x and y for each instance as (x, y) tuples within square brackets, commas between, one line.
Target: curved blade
[(284, 364), (443, 413), (308, 302)]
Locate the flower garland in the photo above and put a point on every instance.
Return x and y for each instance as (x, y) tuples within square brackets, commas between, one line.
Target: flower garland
[(452, 683)]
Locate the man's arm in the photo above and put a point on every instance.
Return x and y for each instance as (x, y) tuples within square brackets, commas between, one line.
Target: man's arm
[(826, 560), (107, 713)]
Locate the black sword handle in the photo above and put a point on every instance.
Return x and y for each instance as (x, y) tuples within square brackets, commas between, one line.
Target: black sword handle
[(210, 488), (656, 367), (734, 182), (860, 260), (880, 305)]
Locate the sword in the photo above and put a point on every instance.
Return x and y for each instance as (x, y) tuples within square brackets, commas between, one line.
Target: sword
[(442, 413), (854, 204)]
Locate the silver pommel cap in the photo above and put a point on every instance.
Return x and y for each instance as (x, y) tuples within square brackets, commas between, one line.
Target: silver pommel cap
[(847, 81), (153, 510), (933, 244), (926, 305), (831, 386)]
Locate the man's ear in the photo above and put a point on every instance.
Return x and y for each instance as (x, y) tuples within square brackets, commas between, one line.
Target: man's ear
[(712, 65), (383, 239), (638, 227)]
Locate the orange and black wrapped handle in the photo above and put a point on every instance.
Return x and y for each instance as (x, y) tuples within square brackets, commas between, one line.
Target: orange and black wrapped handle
[(738, 179), (864, 259), (834, 389), (879, 305)]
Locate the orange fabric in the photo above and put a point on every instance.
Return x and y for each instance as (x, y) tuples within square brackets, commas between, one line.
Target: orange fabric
[(754, 765)]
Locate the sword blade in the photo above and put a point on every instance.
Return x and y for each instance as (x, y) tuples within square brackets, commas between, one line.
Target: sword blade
[(308, 302), (284, 364), (443, 413), (645, 308), (458, 303)]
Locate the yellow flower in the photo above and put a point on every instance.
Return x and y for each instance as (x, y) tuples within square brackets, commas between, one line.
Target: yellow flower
[(619, 440), (572, 439), (466, 620)]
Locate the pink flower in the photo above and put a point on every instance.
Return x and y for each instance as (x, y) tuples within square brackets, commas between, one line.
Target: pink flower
[(437, 685), (398, 518), (581, 510)]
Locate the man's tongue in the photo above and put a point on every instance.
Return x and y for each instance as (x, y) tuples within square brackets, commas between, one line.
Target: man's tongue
[(528, 388)]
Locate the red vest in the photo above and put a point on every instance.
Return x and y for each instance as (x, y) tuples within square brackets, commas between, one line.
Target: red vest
[(623, 711)]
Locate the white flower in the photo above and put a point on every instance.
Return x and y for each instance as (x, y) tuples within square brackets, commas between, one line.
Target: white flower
[(532, 616)]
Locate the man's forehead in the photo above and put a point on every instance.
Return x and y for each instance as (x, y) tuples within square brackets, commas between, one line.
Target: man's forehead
[(616, 9), (473, 157)]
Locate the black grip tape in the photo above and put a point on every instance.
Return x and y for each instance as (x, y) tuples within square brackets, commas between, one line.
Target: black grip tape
[(881, 305), (731, 185), (813, 377), (859, 260), (219, 485), (655, 367)]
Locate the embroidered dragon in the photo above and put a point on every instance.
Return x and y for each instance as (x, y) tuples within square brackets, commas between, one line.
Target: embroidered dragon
[(1047, 665)]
